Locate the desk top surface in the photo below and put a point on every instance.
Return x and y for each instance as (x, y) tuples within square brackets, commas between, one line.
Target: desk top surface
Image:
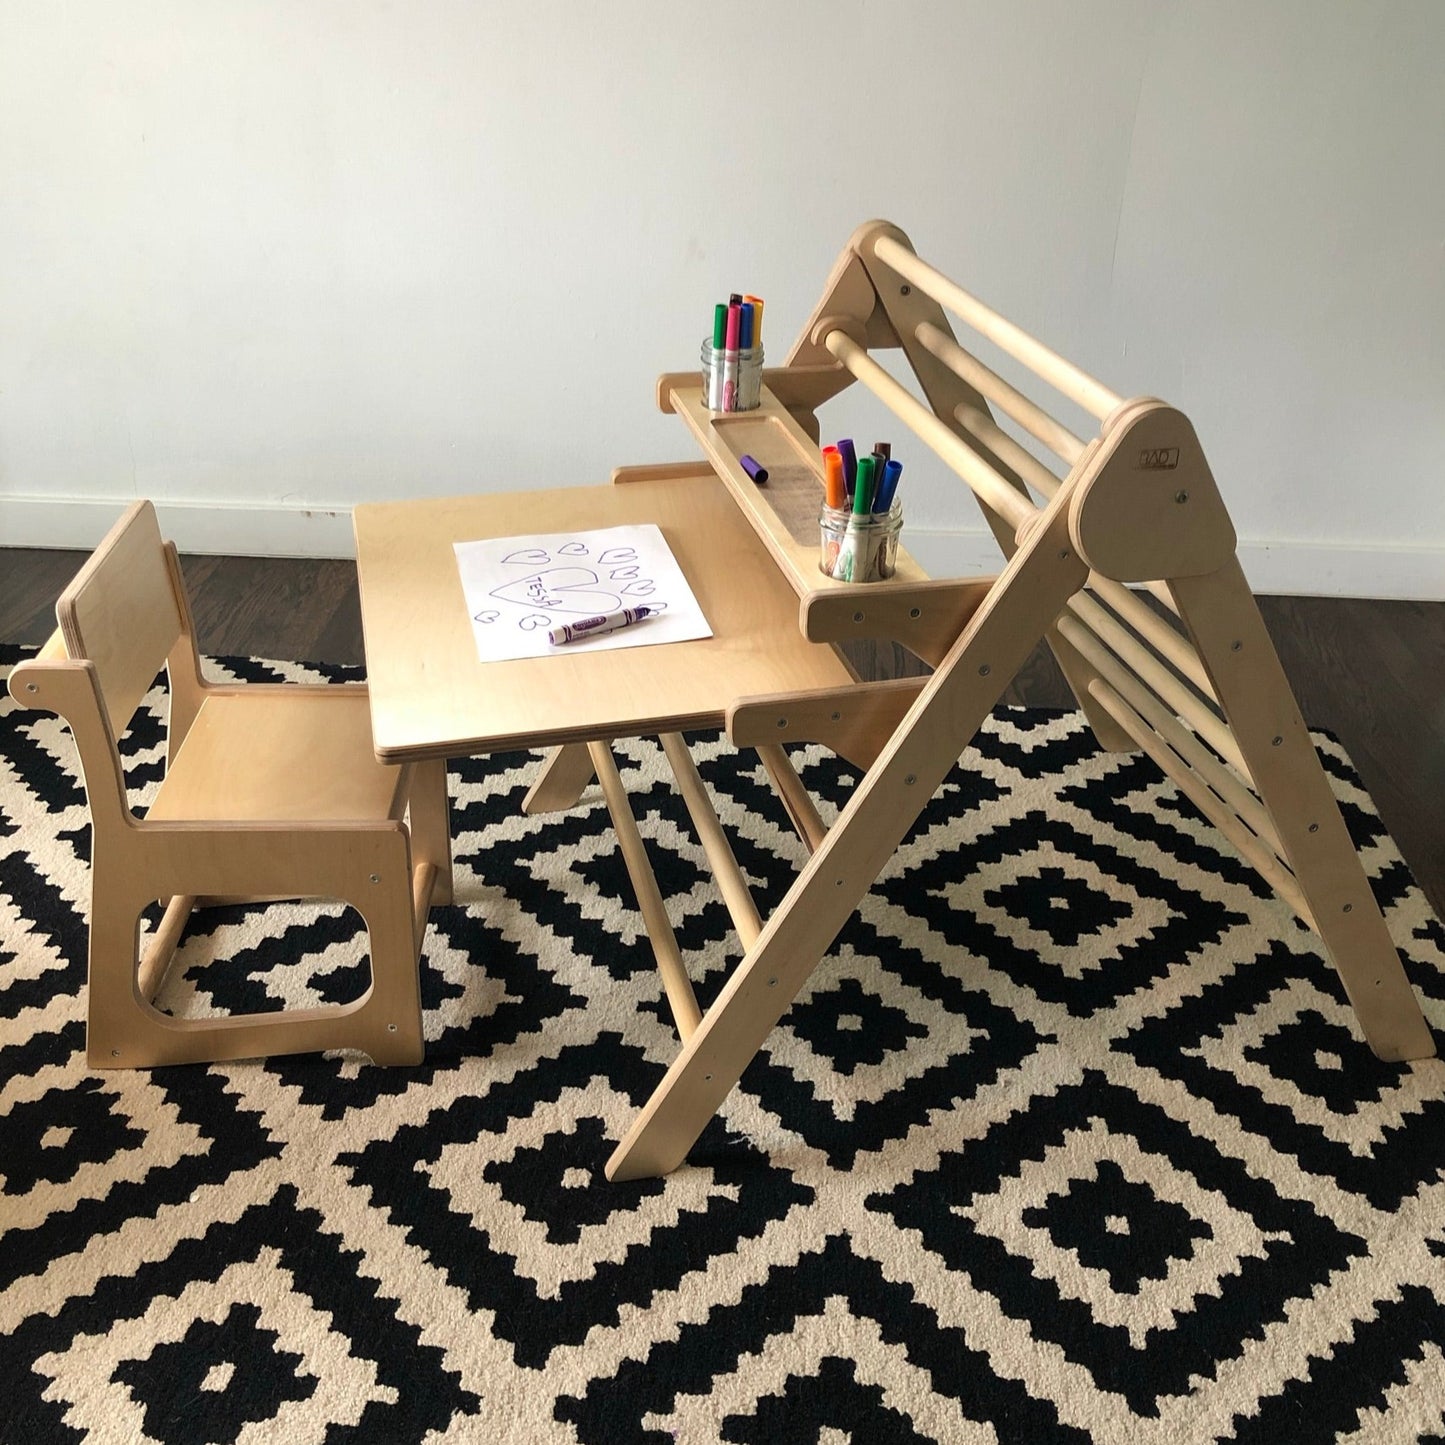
[(431, 695)]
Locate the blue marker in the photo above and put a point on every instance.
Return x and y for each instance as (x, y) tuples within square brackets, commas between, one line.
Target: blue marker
[(745, 327), (892, 470)]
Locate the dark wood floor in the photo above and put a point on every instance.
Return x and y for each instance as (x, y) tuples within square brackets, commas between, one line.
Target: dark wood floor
[(1371, 672)]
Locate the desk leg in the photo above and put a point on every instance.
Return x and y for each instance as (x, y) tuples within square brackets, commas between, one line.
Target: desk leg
[(1033, 590), (562, 781)]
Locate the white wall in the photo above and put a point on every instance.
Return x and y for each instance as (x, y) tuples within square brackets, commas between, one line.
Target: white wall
[(263, 261)]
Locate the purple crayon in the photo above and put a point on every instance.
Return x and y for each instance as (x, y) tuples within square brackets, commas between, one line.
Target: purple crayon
[(600, 625)]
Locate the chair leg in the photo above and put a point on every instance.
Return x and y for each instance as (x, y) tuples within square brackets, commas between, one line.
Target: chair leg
[(389, 1028), (562, 781), (431, 839), (115, 1036)]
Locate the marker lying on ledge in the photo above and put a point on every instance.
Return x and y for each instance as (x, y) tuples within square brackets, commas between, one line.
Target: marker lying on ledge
[(754, 469), (600, 625)]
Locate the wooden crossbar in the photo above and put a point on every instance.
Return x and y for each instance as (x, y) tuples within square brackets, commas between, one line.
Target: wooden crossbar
[(1028, 414), (1048, 365), (991, 487)]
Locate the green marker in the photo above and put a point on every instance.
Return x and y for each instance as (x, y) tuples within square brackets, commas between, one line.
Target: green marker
[(852, 565), (720, 326), (863, 488)]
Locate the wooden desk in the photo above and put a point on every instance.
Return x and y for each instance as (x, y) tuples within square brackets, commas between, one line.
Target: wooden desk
[(432, 697)]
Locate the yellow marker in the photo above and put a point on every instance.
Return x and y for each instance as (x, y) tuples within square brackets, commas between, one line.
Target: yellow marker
[(757, 319)]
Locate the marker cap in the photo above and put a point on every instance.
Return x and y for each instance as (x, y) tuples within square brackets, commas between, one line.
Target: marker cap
[(837, 492)]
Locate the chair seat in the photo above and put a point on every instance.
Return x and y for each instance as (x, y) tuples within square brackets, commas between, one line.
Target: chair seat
[(288, 755)]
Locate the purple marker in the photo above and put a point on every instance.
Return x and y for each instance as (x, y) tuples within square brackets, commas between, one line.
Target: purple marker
[(850, 464), (754, 469)]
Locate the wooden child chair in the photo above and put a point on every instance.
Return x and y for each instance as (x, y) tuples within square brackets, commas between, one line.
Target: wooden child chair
[(270, 792), (1198, 688)]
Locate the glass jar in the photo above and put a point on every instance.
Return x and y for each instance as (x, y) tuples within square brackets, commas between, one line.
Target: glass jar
[(859, 548), (732, 380)]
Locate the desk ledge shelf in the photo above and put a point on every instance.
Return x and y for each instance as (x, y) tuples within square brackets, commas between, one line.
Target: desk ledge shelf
[(923, 614)]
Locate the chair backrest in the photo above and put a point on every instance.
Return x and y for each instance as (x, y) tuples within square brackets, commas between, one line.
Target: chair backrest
[(121, 613)]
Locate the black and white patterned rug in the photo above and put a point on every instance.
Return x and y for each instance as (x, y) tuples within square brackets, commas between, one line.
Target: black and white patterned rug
[(1073, 1137)]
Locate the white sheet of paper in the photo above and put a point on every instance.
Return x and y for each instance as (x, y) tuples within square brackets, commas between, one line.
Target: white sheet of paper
[(518, 588)]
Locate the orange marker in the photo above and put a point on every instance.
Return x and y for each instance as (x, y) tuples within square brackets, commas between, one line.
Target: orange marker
[(833, 478), (757, 319)]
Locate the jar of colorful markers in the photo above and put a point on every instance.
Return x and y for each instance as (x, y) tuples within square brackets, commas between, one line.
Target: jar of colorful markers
[(861, 518), (859, 547), (732, 380)]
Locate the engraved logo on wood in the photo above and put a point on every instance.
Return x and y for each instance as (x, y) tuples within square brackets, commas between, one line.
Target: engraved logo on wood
[(1158, 459)]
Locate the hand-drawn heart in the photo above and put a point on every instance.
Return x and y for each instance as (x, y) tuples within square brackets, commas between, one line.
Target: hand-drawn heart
[(644, 588), (622, 573), (534, 620), (616, 555), (573, 549), (562, 589), (489, 616), (531, 557)]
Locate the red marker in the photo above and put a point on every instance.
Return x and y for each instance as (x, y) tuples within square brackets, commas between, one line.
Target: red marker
[(730, 358)]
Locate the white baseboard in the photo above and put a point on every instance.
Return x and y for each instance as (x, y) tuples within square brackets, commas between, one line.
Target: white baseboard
[(1301, 569), (269, 530), (228, 528)]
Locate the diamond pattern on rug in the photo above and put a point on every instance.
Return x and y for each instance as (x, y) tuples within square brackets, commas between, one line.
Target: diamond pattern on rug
[(827, 1315), (1223, 1252), (263, 1322), (1275, 1045), (1071, 1137), (504, 1194)]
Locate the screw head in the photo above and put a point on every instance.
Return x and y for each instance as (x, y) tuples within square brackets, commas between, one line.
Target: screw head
[(391, 1028), (31, 687), (905, 290), (772, 983), (1314, 827), (837, 717), (1348, 908), (1275, 742), (376, 877), (857, 617), (915, 612), (984, 670), (115, 1053), (1181, 497), (782, 722), (910, 779), (1236, 646)]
